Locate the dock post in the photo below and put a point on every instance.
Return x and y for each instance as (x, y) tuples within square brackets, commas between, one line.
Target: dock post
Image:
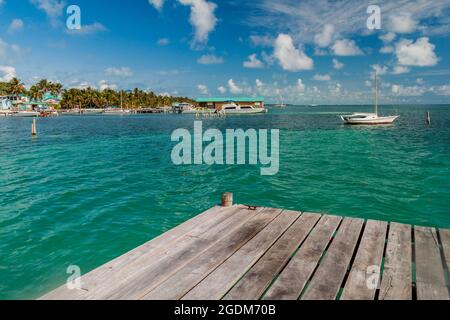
[(33, 128), (227, 199), (428, 116)]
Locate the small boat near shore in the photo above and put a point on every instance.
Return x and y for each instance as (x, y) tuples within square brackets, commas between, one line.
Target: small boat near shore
[(25, 114), (116, 112), (369, 118)]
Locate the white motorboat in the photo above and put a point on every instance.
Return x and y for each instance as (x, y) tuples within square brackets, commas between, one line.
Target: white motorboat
[(25, 114), (233, 108), (369, 118)]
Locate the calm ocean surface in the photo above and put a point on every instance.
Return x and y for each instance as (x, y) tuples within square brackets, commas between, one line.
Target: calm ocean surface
[(91, 188)]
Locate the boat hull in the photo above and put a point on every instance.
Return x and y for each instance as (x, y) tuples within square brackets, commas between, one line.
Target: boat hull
[(370, 121)]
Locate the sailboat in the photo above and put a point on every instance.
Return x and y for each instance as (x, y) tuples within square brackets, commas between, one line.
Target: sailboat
[(369, 118)]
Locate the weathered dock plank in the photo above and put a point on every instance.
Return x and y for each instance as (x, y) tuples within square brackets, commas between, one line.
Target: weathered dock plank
[(217, 284), (367, 265), (242, 252), (327, 280), (256, 281), (430, 276), (396, 283), (191, 274), (294, 277)]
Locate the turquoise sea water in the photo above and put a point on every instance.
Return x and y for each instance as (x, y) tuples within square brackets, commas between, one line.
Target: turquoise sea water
[(91, 188)]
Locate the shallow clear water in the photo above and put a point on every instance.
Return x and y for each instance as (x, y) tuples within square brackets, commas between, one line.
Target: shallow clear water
[(91, 188)]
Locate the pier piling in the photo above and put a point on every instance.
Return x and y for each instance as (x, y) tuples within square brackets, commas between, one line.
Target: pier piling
[(227, 199), (33, 128), (428, 117)]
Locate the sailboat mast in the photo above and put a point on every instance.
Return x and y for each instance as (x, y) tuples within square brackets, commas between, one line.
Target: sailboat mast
[(376, 92)]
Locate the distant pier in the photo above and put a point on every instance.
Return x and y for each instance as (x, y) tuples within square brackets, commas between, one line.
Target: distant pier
[(239, 252)]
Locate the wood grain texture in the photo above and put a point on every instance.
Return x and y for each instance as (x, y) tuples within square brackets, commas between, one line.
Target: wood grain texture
[(429, 268), (326, 282), (292, 280), (396, 283), (192, 273), (259, 277), (217, 284), (365, 274)]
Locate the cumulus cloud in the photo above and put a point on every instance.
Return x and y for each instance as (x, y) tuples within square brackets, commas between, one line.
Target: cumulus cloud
[(158, 4), (325, 38), (409, 91), (52, 8), (222, 89), (400, 70), (16, 25), (104, 84), (387, 49), (289, 57), (203, 89), (202, 18), (87, 29), (419, 53), (346, 47), (119, 72), (210, 59), (7, 73), (337, 64), (322, 77), (233, 87), (300, 86), (253, 62), (388, 37), (402, 23), (259, 83)]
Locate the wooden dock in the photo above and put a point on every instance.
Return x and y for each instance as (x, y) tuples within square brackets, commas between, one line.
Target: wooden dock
[(247, 253)]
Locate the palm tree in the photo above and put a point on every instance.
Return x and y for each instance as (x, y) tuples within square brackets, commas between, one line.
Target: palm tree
[(35, 93), (16, 87)]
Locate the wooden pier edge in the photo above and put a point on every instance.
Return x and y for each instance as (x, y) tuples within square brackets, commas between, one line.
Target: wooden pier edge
[(240, 252)]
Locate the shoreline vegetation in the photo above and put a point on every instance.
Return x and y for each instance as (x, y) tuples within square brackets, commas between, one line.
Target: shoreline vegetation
[(89, 98)]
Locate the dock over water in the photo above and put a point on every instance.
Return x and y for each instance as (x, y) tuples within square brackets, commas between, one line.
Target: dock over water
[(241, 252)]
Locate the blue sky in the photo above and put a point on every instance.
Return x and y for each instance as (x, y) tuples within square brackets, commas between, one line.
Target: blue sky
[(306, 51)]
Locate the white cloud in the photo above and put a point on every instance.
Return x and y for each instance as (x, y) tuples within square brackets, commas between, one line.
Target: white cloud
[(322, 77), (290, 58), (253, 62), (262, 41), (87, 29), (402, 23), (388, 37), (387, 49), (409, 91), (16, 25), (400, 70), (163, 42), (443, 90), (9, 52), (234, 88), (300, 86), (419, 53), (305, 19), (202, 18), (259, 83), (336, 89), (203, 89), (325, 38), (210, 59), (222, 89), (379, 70), (346, 47), (103, 85), (158, 4), (420, 81), (52, 8), (337, 64), (7, 73), (119, 72)]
